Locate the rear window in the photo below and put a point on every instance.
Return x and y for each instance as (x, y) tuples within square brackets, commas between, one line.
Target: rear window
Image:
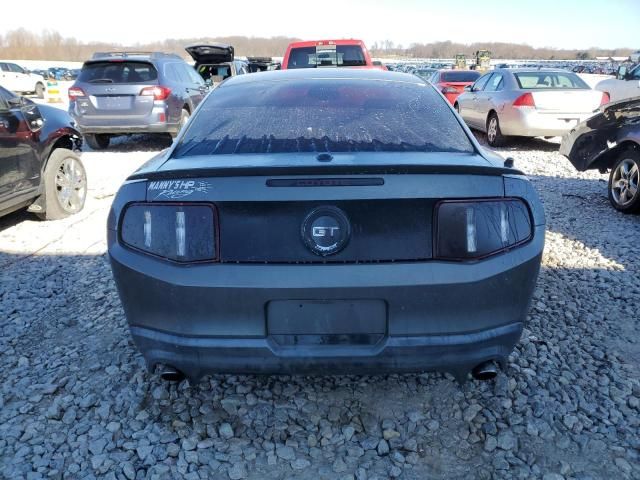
[(323, 116), (459, 76), (118, 72), (540, 80), (327, 56)]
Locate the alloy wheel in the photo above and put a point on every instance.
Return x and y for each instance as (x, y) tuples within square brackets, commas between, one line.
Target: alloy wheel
[(492, 131), (71, 185), (625, 180)]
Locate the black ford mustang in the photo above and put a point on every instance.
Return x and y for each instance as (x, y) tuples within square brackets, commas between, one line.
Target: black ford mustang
[(38, 166), (326, 221)]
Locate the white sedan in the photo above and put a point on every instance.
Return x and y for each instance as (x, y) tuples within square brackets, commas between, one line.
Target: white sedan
[(528, 103), (15, 78)]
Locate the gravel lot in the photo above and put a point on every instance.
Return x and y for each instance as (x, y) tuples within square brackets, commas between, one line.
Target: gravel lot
[(76, 401)]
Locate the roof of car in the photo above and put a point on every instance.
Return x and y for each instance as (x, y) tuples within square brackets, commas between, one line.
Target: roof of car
[(122, 56), (323, 74), (313, 43)]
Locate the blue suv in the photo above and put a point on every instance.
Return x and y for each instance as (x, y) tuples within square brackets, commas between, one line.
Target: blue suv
[(122, 93)]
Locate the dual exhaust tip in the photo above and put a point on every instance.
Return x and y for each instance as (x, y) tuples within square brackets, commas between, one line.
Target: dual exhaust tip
[(171, 374), (483, 372)]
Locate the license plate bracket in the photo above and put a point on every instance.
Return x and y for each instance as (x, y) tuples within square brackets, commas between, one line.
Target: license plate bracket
[(327, 318)]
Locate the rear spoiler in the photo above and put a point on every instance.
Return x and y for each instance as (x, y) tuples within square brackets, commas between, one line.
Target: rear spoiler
[(273, 171)]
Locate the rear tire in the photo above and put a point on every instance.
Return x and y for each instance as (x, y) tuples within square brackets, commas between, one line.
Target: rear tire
[(457, 107), (65, 185), (494, 134), (97, 141), (624, 182), (40, 90)]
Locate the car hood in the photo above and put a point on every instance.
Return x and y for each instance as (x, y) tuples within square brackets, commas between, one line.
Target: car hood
[(163, 166), (587, 143)]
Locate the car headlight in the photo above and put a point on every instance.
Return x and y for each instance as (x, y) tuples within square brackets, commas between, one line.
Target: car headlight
[(178, 232), (472, 229)]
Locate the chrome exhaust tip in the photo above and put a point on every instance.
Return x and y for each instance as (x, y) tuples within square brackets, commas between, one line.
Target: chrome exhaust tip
[(485, 371)]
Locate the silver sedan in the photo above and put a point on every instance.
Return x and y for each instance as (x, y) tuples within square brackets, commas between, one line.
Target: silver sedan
[(528, 103)]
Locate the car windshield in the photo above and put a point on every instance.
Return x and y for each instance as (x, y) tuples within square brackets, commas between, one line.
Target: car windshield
[(327, 56), (468, 76), (324, 116), (118, 72), (541, 80)]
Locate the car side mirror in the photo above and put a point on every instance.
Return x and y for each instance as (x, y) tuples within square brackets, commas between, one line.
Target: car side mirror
[(15, 102)]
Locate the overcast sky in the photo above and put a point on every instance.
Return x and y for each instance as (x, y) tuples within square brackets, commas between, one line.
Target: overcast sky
[(544, 23)]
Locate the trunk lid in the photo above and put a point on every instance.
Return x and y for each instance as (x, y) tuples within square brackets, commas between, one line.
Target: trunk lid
[(459, 86), (211, 53), (567, 101)]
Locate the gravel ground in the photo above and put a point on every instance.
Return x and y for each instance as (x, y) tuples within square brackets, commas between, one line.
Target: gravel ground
[(76, 401)]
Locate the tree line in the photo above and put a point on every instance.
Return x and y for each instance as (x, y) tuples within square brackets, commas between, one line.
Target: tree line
[(22, 44), (51, 45), (448, 49)]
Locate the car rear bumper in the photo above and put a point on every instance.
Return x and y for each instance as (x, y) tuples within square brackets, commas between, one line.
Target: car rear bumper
[(455, 353), (230, 318), (528, 122), (156, 121), (128, 129)]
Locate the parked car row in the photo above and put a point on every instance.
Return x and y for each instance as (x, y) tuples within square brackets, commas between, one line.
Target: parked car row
[(424, 215)]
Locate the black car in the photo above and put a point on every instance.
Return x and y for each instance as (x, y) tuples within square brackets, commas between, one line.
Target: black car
[(610, 141), (39, 168), (326, 221)]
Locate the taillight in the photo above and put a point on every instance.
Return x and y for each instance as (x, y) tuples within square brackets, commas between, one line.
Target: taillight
[(158, 93), (525, 100), (75, 92), (478, 228), (606, 98), (183, 233), (449, 90)]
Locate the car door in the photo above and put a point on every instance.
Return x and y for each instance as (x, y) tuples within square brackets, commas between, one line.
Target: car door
[(632, 84), (468, 102), (196, 87), (22, 79), (486, 99), (7, 77), (19, 165)]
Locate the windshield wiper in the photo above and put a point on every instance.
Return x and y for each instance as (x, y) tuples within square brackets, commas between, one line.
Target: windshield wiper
[(101, 80)]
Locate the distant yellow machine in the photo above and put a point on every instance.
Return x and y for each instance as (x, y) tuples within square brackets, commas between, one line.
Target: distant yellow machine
[(461, 61), (483, 60)]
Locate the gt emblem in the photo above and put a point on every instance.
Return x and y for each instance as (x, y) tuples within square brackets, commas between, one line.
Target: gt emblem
[(326, 231)]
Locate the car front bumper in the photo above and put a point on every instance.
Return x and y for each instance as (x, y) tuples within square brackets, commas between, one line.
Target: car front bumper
[(218, 318)]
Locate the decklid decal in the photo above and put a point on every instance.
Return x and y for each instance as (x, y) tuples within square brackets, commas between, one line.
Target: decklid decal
[(175, 189)]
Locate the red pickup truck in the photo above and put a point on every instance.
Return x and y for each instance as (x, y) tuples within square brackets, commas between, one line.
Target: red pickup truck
[(327, 53)]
